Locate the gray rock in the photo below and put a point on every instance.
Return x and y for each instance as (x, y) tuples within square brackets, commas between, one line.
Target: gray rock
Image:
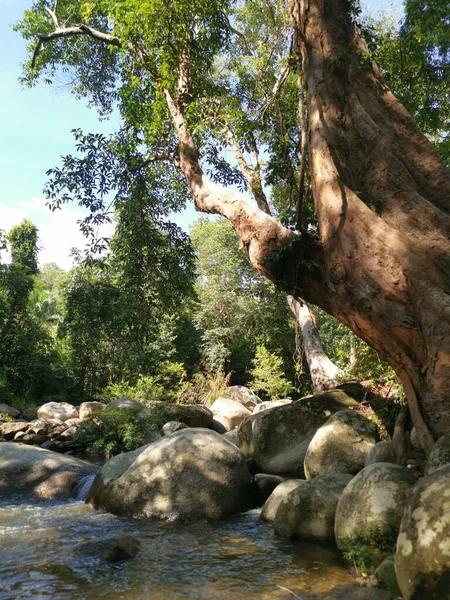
[(422, 561), (308, 511), (90, 408), (192, 474), (231, 436), (381, 452), (172, 427), (229, 413), (329, 402), (34, 439), (340, 445), (57, 410), (375, 498), (282, 490), (124, 403), (277, 438), (9, 410), (34, 473), (440, 454), (111, 549), (386, 577), (218, 427), (244, 395), (30, 414)]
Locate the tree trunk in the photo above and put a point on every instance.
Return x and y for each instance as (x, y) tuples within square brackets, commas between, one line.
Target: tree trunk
[(324, 373), (382, 197)]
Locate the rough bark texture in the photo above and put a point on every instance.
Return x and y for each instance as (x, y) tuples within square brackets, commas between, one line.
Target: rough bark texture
[(324, 373), (382, 197)]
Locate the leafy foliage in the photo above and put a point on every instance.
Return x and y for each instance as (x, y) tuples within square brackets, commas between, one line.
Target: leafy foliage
[(365, 550), (267, 374)]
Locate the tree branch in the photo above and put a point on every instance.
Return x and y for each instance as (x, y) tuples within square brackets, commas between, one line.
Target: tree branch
[(53, 15), (241, 36)]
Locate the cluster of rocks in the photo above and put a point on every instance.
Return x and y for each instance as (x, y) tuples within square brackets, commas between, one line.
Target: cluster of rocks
[(317, 468)]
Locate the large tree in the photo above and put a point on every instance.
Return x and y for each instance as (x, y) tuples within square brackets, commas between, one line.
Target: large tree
[(378, 259)]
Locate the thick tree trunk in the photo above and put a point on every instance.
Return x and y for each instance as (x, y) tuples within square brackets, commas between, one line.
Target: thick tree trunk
[(324, 373), (382, 197)]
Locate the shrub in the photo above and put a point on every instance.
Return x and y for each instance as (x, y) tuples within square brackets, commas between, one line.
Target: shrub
[(114, 431), (5, 418), (204, 387), (268, 376), (365, 551)]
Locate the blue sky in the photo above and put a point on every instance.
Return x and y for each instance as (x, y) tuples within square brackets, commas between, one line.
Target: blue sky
[(35, 127)]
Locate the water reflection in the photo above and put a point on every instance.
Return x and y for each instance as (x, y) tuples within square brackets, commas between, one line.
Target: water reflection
[(237, 559)]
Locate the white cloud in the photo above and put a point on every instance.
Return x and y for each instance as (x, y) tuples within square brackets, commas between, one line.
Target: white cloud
[(58, 230)]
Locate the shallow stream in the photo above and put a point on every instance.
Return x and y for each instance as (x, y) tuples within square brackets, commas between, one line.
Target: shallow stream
[(238, 559)]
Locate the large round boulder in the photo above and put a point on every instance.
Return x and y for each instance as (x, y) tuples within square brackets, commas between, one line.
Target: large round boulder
[(90, 408), (372, 504), (340, 445), (57, 410), (277, 438), (308, 511), (329, 402), (229, 413), (244, 395), (9, 410), (422, 561), (279, 494), (192, 474), (440, 454), (381, 452), (32, 473)]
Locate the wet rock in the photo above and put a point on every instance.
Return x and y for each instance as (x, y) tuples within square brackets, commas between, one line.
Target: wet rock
[(229, 413), (340, 445), (374, 499), (10, 429), (308, 511), (9, 410), (57, 410), (244, 395), (381, 452), (277, 438), (263, 486), (111, 549), (440, 454), (34, 473), (172, 427), (422, 561), (282, 490), (90, 408), (386, 577), (192, 474)]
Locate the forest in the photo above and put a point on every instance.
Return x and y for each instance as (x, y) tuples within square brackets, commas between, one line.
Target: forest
[(291, 351)]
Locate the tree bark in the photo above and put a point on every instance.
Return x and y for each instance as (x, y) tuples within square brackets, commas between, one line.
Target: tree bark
[(324, 373)]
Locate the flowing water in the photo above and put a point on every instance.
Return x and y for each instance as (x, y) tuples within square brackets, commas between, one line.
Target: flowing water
[(238, 559)]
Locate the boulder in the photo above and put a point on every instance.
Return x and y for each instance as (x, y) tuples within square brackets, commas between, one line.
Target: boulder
[(340, 445), (282, 490), (124, 403), (193, 415), (90, 408), (422, 561), (244, 395), (260, 407), (73, 422), (172, 427), (229, 413), (33, 439), (9, 410), (30, 414), (57, 410), (381, 452), (308, 511), (386, 577), (218, 427), (10, 429), (263, 486), (373, 501), (328, 403), (192, 474), (231, 436), (111, 549), (277, 438), (33, 473), (440, 454)]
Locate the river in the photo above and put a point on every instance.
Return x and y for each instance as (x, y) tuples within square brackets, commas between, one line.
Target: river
[(238, 559)]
